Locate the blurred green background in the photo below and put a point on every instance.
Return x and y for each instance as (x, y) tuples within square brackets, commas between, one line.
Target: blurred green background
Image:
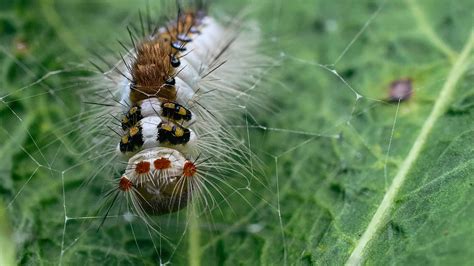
[(330, 143)]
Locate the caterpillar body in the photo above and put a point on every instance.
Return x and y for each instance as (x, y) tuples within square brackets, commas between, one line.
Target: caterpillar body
[(177, 89)]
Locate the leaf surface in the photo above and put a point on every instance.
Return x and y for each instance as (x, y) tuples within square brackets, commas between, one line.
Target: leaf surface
[(349, 177)]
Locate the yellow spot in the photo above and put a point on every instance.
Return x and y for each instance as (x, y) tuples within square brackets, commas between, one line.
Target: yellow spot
[(125, 139), (133, 110), (179, 132), (166, 127), (169, 105), (133, 131), (125, 120), (182, 111)]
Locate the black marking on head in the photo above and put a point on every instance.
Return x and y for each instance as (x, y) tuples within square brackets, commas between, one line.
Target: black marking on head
[(178, 46), (175, 61), (170, 81)]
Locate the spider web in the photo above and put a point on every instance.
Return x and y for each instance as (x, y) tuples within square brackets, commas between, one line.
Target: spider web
[(314, 133)]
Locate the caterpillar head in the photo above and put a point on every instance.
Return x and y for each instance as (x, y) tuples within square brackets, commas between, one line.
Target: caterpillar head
[(158, 180)]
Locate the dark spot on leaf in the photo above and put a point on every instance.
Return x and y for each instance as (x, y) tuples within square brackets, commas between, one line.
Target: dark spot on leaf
[(400, 90), (397, 229), (372, 6), (318, 26), (448, 21), (306, 260), (7, 26), (3, 188), (337, 188), (325, 25), (344, 169), (348, 73), (400, 200)]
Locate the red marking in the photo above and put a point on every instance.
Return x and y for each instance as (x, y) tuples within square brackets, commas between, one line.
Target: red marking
[(189, 169), (125, 184), (142, 167), (162, 163)]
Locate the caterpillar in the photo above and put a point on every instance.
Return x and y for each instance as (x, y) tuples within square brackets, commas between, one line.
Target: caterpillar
[(170, 100)]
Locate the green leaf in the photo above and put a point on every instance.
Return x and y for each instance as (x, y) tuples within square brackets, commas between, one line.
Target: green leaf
[(7, 256), (349, 177)]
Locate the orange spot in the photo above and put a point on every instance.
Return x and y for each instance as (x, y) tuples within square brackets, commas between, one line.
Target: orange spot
[(142, 167), (125, 184), (133, 131), (189, 169), (162, 163)]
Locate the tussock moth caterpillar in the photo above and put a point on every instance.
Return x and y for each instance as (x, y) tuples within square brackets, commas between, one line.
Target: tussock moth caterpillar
[(170, 100)]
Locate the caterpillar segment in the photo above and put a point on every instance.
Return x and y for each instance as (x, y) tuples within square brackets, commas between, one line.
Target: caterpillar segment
[(154, 107), (157, 176), (151, 132)]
